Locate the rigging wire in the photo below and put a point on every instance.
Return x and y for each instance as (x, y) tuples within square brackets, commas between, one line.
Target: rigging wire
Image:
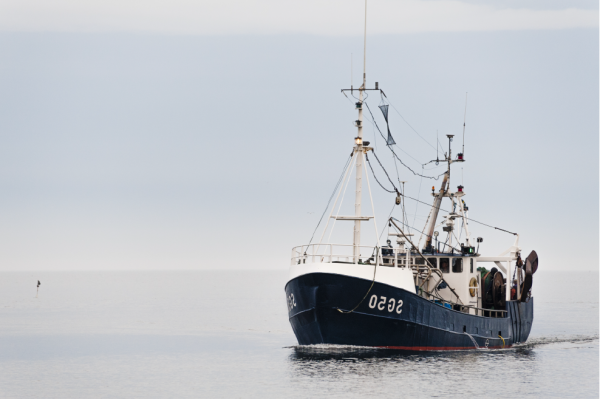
[(418, 195), (440, 144), (425, 234), (370, 288), (389, 216), (413, 129), (341, 202), (404, 216), (397, 157), (417, 174), (470, 220), (377, 180), (422, 202), (386, 173), (429, 266), (375, 125), (330, 198)]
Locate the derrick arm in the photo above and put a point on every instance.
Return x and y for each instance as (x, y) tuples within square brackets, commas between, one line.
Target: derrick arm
[(434, 212)]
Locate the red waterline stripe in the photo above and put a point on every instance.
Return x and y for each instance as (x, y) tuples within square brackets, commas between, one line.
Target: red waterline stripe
[(439, 348)]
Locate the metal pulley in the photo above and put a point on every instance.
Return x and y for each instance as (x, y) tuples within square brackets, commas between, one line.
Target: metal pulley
[(398, 199)]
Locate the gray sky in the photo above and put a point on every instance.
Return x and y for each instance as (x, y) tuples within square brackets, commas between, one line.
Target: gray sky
[(210, 135)]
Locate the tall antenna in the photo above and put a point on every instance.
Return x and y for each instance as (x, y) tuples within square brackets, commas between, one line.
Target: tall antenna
[(465, 123), (437, 144), (365, 51), (351, 71)]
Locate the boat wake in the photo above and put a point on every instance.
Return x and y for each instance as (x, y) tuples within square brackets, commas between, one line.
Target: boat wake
[(568, 339), (331, 348), (349, 352)]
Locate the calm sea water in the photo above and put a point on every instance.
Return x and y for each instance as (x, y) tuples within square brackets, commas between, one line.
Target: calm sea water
[(225, 334)]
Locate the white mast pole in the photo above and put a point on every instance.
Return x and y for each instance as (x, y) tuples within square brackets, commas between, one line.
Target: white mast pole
[(359, 151), (357, 201)]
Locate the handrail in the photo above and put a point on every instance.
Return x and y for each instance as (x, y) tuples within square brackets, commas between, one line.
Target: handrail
[(477, 309), (319, 252)]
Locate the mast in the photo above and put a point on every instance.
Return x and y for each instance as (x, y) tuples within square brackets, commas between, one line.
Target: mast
[(359, 166), (359, 151)]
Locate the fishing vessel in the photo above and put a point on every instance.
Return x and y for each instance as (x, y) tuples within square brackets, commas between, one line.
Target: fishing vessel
[(434, 294)]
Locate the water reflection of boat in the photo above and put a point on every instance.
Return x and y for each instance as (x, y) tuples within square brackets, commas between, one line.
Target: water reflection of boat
[(435, 296)]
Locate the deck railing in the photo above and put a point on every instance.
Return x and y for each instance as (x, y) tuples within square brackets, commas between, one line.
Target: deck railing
[(344, 253), (334, 253)]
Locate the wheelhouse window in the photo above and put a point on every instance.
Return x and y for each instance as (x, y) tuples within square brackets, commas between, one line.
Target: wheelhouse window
[(433, 262), (471, 264), (445, 265), (419, 261), (457, 265)]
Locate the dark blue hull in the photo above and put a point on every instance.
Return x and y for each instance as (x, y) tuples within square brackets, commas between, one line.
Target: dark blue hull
[(393, 318)]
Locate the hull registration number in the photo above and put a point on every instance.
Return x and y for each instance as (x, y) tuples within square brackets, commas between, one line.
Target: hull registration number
[(382, 303)]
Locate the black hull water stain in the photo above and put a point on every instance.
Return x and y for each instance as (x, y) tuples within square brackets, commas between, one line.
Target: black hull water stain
[(395, 318)]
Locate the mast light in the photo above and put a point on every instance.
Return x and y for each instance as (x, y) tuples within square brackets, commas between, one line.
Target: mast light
[(358, 123), (358, 140), (359, 105), (460, 156), (450, 136), (467, 250), (460, 189)]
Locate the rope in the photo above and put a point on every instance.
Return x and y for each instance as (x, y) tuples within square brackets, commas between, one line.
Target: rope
[(471, 220), (397, 157), (419, 201), (503, 343), (375, 125), (370, 288), (377, 180), (417, 207), (386, 173)]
